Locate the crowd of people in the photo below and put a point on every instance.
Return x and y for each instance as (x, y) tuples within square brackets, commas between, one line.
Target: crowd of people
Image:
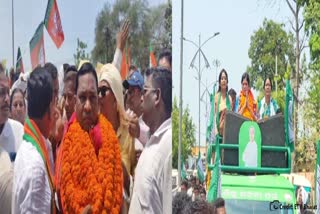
[(183, 204), (102, 146)]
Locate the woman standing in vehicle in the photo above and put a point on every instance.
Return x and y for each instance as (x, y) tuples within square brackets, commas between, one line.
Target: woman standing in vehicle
[(247, 104)]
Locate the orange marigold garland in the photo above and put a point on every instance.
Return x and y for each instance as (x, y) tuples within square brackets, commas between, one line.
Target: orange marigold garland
[(87, 178)]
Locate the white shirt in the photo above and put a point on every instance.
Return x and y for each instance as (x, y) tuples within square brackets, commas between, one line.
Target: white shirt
[(117, 59), (153, 182), (11, 136), (6, 175), (31, 188), (190, 191), (250, 155)]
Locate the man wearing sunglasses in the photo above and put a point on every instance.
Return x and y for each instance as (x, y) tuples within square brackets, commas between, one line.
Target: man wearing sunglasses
[(152, 187)]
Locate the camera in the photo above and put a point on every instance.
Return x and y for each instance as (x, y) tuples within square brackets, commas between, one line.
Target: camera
[(275, 205)]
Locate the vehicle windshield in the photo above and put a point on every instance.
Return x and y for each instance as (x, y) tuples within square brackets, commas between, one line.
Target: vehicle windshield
[(248, 207)]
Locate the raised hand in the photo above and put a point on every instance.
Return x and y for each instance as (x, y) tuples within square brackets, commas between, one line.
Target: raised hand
[(123, 35)]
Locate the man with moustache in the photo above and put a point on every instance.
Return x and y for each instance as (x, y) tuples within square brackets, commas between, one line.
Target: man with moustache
[(11, 131), (152, 187)]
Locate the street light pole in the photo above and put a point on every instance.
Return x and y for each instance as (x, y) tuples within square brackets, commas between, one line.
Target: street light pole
[(180, 100), (199, 79), (199, 70), (12, 33)]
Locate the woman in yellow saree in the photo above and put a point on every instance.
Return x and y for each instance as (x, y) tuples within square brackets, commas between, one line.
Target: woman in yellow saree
[(247, 105)]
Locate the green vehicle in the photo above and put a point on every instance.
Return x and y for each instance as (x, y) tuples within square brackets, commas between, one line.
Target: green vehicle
[(258, 194), (259, 187)]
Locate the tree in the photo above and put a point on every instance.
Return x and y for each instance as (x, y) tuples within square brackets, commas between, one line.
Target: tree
[(188, 134), (295, 7), (168, 26), (81, 52), (306, 147), (312, 27), (267, 43), (147, 27)]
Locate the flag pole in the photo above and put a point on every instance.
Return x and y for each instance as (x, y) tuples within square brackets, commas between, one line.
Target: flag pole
[(12, 34), (180, 99)]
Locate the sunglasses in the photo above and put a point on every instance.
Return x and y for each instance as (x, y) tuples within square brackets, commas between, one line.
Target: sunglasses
[(103, 90)]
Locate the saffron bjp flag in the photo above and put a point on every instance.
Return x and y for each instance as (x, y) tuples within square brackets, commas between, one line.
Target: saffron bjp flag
[(19, 64), (124, 65), (52, 22), (37, 48), (129, 58), (153, 61)]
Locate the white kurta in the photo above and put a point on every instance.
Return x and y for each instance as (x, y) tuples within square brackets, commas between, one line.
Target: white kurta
[(11, 136), (6, 175), (31, 188), (250, 155), (153, 182)]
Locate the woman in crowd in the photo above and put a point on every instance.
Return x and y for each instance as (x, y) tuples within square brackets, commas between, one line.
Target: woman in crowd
[(222, 101), (267, 106), (18, 105), (247, 104)]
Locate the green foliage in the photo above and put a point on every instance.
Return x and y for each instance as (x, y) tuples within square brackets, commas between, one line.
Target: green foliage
[(147, 26), (312, 19), (81, 53), (312, 27), (268, 41), (168, 26), (188, 133), (305, 158), (306, 146)]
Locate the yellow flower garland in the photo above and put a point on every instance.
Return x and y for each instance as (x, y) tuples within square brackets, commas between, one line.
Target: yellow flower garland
[(87, 178)]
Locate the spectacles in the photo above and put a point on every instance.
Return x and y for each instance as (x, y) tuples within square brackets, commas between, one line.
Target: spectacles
[(4, 92), (103, 90), (144, 91)]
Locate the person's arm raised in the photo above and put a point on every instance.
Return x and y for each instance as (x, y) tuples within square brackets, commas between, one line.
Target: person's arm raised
[(121, 42)]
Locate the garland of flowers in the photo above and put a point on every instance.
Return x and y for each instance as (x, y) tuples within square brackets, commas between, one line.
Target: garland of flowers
[(88, 178)]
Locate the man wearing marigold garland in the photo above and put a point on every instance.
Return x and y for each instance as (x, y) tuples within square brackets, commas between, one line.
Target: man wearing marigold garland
[(152, 187), (88, 167), (33, 188)]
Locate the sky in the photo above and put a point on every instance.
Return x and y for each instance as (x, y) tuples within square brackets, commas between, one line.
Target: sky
[(236, 21), (78, 21)]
